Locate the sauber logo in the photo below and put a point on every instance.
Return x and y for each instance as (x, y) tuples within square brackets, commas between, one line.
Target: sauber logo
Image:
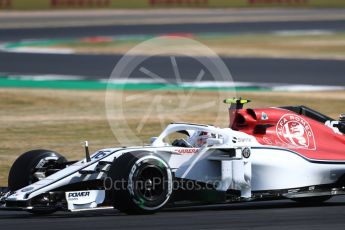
[(295, 131)]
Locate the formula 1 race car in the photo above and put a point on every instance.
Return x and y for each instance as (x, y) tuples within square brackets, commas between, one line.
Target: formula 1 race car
[(290, 152)]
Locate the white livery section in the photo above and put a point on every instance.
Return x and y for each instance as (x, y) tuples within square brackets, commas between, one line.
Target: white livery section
[(84, 199)]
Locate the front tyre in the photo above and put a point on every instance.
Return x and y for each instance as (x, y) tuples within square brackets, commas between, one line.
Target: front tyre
[(22, 172), (141, 183)]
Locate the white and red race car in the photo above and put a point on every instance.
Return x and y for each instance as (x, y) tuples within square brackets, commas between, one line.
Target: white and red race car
[(289, 152)]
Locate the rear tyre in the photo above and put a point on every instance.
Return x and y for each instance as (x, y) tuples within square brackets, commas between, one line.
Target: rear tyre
[(141, 183), (23, 169), (312, 200)]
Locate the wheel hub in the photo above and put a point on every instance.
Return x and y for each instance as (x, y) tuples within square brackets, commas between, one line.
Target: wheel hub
[(150, 183)]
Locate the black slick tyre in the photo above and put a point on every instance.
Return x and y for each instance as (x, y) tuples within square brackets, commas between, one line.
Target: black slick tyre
[(141, 183)]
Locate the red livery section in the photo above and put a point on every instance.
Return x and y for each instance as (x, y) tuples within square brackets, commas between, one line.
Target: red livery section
[(293, 130)]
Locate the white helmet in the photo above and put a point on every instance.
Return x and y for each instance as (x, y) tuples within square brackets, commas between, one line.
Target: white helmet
[(199, 138)]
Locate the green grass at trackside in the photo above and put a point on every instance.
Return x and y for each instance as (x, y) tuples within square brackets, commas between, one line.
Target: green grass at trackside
[(96, 85), (47, 4)]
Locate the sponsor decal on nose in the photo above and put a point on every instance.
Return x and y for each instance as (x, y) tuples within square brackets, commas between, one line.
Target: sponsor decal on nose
[(78, 194)]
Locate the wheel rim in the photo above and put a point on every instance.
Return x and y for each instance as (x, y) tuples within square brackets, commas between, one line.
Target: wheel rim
[(150, 183)]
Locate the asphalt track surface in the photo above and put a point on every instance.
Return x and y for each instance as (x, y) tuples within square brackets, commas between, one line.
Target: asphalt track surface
[(110, 30), (262, 70), (259, 215)]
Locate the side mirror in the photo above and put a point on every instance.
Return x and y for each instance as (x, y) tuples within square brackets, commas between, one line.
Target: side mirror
[(214, 141), (341, 127), (153, 139)]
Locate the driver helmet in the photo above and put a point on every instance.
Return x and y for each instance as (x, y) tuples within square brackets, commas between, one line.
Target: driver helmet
[(342, 117), (201, 139)]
